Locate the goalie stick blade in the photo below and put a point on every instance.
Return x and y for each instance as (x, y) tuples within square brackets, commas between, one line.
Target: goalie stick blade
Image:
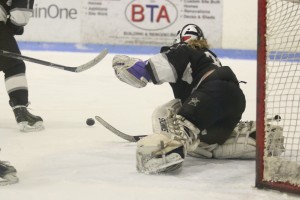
[(77, 69), (125, 136)]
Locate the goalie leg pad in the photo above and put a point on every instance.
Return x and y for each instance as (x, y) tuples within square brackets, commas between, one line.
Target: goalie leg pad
[(161, 113), (239, 145), (203, 150), (241, 148), (158, 153), (166, 149), (166, 121)]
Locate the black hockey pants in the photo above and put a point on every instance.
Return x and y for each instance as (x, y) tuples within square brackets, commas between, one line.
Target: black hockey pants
[(215, 108)]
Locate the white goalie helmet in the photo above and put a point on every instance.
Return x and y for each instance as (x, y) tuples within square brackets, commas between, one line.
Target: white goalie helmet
[(189, 32)]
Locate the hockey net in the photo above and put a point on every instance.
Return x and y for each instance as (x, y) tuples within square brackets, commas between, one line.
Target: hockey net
[(278, 93)]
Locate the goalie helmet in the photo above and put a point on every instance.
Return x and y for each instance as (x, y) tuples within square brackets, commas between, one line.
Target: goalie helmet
[(189, 32)]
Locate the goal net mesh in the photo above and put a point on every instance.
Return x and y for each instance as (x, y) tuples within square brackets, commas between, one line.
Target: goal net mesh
[(282, 93)]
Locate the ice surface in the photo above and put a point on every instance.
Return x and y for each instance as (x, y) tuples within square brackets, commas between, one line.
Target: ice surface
[(72, 161)]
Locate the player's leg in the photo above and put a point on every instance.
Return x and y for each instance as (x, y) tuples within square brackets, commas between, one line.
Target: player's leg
[(241, 143), (16, 86), (160, 114), (174, 136), (218, 107), (16, 83), (212, 103), (160, 151)]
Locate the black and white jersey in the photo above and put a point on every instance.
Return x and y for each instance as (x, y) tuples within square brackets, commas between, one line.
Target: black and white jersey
[(182, 67), (19, 11)]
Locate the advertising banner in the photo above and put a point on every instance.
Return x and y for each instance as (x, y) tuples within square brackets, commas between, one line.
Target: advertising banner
[(54, 21), (123, 22)]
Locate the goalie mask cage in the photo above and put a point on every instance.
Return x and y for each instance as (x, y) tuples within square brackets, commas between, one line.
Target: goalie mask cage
[(278, 93)]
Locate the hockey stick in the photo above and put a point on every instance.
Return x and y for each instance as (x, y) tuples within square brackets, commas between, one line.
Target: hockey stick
[(135, 138), (125, 136), (77, 69)]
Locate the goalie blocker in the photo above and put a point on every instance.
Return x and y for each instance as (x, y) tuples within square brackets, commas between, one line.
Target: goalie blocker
[(175, 137)]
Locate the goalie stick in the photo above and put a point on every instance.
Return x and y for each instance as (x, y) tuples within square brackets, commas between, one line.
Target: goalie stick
[(77, 69), (135, 138), (125, 136)]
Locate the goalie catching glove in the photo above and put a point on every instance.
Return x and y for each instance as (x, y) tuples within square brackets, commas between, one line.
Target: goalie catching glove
[(131, 70)]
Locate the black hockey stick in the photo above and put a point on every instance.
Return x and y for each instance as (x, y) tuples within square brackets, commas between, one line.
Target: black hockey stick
[(125, 136), (77, 69)]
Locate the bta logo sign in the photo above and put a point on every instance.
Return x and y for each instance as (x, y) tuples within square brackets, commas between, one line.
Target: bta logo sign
[(151, 14)]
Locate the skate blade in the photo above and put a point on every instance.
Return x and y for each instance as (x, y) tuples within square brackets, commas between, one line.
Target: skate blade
[(9, 179), (24, 127)]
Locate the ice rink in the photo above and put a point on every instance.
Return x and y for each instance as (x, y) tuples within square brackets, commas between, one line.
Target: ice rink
[(71, 161)]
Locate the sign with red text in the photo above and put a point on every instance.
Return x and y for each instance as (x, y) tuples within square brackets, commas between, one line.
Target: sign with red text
[(123, 22)]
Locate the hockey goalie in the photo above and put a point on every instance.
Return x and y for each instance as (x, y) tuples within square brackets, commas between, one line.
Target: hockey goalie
[(203, 119), (175, 138)]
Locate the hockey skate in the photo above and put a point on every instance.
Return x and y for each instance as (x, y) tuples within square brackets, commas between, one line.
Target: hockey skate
[(27, 122), (7, 174)]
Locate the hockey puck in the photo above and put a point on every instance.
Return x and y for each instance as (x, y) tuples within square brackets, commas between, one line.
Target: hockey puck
[(90, 121), (277, 118)]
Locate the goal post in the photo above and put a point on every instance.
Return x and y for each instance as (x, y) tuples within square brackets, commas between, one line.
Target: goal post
[(278, 94)]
